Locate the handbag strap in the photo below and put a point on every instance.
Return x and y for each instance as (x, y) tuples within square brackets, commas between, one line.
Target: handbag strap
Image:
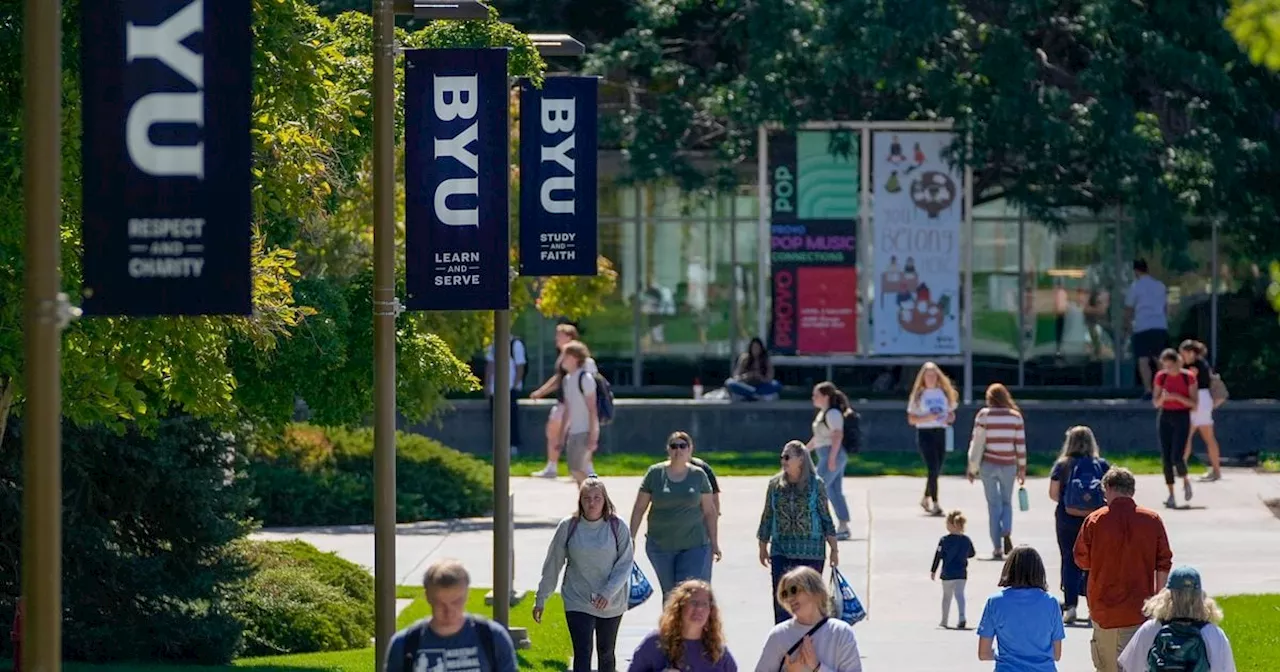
[(817, 626)]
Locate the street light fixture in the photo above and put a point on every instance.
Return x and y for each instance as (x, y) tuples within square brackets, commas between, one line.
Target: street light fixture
[(432, 10), (557, 45)]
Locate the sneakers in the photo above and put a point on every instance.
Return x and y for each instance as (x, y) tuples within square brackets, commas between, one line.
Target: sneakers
[(1008, 544), (943, 624), (960, 625), (925, 504), (1210, 477), (548, 471), (936, 512), (1069, 616), (1171, 503), (997, 554), (1186, 490), (843, 535)]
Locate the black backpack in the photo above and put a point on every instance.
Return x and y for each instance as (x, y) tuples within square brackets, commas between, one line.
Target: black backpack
[(484, 632), (851, 439), (1178, 647)]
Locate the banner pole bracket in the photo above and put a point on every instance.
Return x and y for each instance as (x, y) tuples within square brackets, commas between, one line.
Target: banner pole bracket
[(392, 308)]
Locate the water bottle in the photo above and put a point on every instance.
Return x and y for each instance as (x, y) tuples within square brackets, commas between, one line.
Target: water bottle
[(1024, 502)]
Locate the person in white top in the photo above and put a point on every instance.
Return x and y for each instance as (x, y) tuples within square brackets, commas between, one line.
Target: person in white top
[(931, 409), (516, 368), (811, 641), (555, 427), (1182, 631), (828, 446), (1146, 308), (581, 421)]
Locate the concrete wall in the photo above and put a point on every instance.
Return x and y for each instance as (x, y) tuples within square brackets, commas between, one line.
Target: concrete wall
[(642, 425)]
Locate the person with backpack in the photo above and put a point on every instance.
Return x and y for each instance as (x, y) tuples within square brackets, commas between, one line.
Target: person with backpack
[(581, 424), (450, 638), (1125, 549), (1182, 634), (796, 521), (593, 548), (1177, 396), (836, 433), (1075, 483), (517, 367), (565, 333), (998, 456)]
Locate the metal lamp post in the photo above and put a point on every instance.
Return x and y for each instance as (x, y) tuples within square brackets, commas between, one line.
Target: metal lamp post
[(386, 306)]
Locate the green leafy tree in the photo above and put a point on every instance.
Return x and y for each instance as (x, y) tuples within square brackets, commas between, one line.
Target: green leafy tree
[(1098, 103)]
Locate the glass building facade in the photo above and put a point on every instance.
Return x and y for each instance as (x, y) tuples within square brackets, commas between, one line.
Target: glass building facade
[(1048, 303)]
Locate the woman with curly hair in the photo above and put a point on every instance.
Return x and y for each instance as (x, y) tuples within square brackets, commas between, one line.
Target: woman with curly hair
[(688, 638), (1182, 631)]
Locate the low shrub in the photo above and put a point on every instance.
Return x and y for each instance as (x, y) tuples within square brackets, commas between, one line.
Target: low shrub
[(301, 600), (323, 476)]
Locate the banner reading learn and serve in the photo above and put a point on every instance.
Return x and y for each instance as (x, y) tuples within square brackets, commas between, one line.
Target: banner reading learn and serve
[(814, 190), (918, 211), (456, 209), (558, 176), (166, 153)]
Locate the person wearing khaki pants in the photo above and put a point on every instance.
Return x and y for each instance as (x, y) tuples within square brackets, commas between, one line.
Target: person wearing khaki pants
[(1125, 549)]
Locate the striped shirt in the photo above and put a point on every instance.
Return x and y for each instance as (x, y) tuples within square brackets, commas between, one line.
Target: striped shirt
[(1006, 436)]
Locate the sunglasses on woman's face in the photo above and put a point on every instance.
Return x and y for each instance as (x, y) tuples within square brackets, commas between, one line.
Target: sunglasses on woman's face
[(786, 457), (790, 591), (678, 445)]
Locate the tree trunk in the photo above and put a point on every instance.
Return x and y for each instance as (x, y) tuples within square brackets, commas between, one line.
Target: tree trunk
[(6, 402)]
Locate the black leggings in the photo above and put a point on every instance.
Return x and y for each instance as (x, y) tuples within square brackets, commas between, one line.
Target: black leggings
[(1175, 427), (932, 443), (581, 627)]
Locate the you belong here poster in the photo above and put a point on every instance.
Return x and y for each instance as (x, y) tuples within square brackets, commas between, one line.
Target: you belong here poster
[(814, 196)]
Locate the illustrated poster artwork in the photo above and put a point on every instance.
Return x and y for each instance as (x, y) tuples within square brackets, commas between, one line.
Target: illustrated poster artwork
[(917, 215)]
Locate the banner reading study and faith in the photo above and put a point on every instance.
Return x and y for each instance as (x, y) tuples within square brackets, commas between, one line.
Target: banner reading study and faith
[(166, 87), (456, 145), (558, 172)]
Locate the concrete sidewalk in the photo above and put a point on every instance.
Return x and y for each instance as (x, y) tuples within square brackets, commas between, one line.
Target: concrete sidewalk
[(1229, 535)]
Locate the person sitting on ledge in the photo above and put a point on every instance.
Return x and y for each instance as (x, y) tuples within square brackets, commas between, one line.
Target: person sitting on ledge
[(753, 376)]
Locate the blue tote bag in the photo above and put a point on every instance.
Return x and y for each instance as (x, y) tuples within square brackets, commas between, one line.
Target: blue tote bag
[(641, 589), (845, 604)]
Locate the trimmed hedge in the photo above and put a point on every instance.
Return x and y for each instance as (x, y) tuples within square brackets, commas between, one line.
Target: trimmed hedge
[(300, 600), (316, 476)]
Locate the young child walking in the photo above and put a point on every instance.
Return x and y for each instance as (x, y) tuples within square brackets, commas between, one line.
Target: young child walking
[(954, 551)]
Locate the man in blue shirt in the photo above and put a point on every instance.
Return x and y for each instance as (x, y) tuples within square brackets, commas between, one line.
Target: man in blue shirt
[(451, 640)]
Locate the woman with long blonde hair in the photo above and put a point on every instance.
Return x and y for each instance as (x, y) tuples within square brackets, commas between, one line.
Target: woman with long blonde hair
[(689, 635), (998, 455), (1076, 485), (1182, 630), (931, 409)]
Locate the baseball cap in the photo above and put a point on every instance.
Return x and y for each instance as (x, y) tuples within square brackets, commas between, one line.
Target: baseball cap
[(1183, 578)]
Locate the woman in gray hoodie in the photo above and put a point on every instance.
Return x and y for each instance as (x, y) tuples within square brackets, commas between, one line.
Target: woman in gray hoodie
[(595, 546)]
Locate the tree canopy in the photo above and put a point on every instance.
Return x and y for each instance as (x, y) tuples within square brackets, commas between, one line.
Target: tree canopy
[(311, 335), (1098, 103)]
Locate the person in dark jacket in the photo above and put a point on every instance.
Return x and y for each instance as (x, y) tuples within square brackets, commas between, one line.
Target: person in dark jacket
[(954, 551)]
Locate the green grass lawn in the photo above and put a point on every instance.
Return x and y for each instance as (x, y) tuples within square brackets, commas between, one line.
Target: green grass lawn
[(896, 463), (550, 651), (1253, 625)]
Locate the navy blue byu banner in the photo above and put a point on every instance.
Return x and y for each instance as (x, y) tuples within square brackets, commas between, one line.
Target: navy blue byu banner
[(456, 145), (558, 176), (167, 156)]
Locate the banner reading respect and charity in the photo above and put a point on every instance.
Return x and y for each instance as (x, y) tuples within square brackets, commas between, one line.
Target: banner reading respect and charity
[(558, 176), (167, 156), (456, 145), (917, 222), (814, 189)]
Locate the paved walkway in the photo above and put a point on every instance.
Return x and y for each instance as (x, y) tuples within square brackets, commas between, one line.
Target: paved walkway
[(1229, 535)]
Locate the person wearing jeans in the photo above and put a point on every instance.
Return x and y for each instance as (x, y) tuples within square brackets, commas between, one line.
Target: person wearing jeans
[(796, 521), (998, 455), (931, 409), (683, 534), (827, 445), (594, 549)]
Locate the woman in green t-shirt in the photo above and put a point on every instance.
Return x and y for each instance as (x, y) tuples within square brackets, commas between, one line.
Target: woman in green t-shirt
[(682, 537)]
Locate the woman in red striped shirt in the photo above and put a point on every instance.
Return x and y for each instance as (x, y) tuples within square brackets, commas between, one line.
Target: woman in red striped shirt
[(998, 455)]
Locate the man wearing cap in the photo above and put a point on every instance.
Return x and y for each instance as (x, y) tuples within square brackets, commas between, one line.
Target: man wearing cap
[(1125, 549)]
